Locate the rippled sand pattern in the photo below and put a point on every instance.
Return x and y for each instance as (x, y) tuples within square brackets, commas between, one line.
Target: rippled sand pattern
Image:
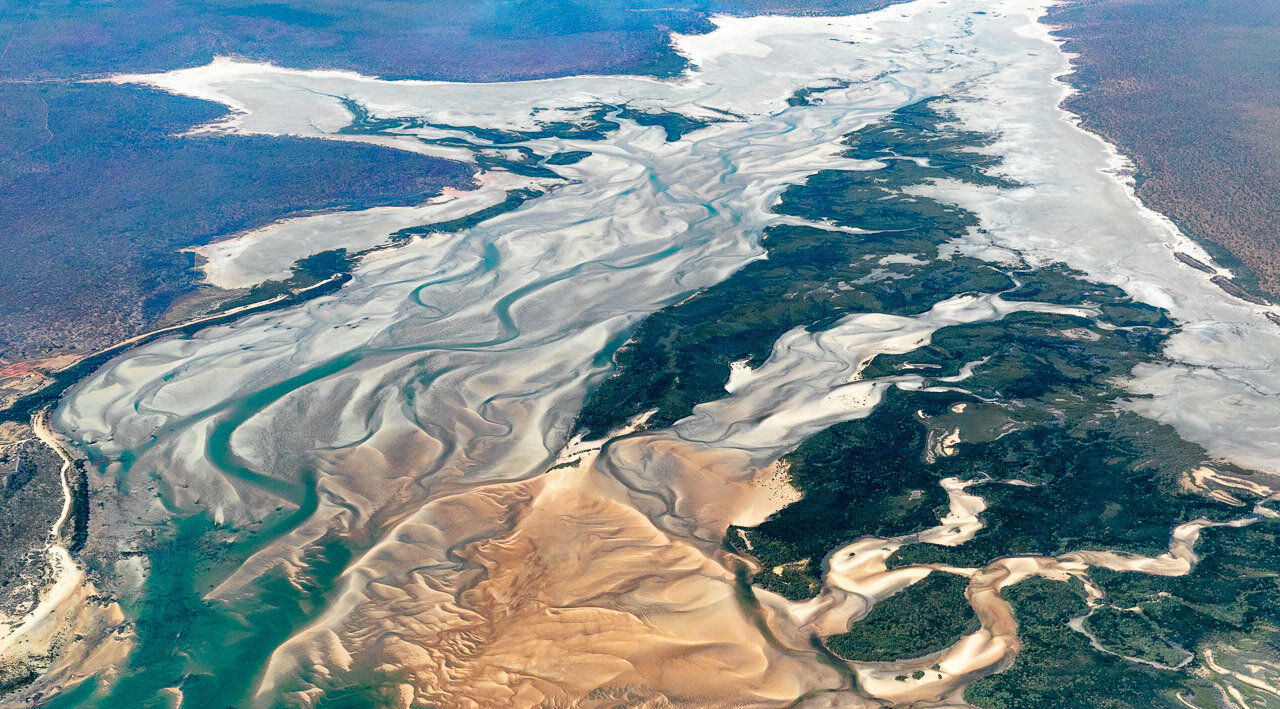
[(418, 418)]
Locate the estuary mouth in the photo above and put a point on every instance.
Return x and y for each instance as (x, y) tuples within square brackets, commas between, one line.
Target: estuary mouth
[(702, 385)]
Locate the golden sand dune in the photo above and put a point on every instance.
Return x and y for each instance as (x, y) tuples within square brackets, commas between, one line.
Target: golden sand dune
[(581, 601)]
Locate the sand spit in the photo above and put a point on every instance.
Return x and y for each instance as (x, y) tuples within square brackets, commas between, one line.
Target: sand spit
[(36, 634), (45, 640), (418, 417)]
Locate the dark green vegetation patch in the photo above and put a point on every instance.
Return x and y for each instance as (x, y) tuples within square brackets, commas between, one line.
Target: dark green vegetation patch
[(512, 202), (1057, 668), (1039, 406), (307, 272), (502, 149), (859, 478), (680, 356), (30, 501), (1129, 633), (925, 618)]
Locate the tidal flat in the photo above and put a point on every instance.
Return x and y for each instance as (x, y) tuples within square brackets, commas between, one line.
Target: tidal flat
[(544, 457)]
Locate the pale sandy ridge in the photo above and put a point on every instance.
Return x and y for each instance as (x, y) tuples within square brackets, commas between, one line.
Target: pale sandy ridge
[(37, 629), (46, 639)]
